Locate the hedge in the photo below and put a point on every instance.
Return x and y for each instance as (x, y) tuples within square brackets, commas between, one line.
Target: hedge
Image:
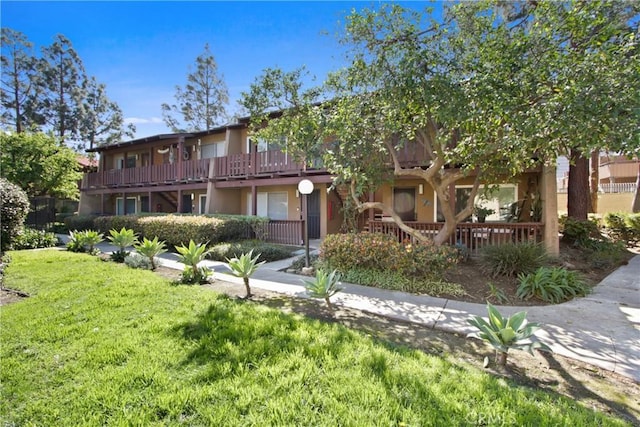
[(174, 229)]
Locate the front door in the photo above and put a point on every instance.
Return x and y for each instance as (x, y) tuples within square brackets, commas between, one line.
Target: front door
[(313, 208), (186, 203)]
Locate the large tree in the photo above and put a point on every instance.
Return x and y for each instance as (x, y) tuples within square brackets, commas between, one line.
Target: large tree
[(62, 79), (480, 94), (53, 93), (18, 72), (101, 120), (39, 164), (200, 105)]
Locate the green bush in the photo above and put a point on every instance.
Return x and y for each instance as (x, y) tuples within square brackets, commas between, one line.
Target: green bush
[(58, 228), (552, 285), (579, 233), (14, 207), (623, 227), (268, 252), (80, 222), (383, 252), (396, 281), (31, 238), (105, 224), (512, 259), (135, 260)]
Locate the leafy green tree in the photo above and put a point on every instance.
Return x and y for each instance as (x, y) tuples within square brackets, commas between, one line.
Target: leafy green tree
[(200, 105), (18, 70), (484, 93), (39, 164)]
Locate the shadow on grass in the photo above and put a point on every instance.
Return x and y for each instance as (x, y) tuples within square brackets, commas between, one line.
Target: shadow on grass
[(581, 390)]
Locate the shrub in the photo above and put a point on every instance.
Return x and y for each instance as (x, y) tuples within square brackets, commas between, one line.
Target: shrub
[(383, 252), (396, 281), (623, 227), (268, 252), (552, 285), (512, 259), (58, 228), (300, 262), (579, 233), (505, 333), (135, 260), (80, 222), (14, 207), (178, 230), (105, 224), (31, 238)]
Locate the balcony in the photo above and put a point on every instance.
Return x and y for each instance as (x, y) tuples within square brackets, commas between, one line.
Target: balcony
[(235, 166), (187, 171)]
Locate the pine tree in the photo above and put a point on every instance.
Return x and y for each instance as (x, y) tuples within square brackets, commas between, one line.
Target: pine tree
[(200, 105)]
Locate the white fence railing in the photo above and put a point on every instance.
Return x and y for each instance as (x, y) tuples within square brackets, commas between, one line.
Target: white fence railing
[(617, 187)]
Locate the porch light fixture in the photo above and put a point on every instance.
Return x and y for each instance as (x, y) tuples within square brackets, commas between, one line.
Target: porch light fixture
[(420, 189), (305, 187)]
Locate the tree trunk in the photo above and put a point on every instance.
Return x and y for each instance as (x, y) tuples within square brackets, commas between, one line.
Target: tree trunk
[(246, 285), (595, 180), (578, 197), (635, 207), (501, 358)]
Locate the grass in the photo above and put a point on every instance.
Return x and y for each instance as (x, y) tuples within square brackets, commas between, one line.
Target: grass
[(98, 343)]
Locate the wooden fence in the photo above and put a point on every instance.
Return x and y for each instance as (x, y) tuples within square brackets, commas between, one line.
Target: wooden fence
[(474, 235)]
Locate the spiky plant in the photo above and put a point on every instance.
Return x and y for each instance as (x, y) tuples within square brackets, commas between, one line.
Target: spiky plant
[(324, 285), (191, 256), (505, 333), (151, 249), (244, 266), (122, 239)]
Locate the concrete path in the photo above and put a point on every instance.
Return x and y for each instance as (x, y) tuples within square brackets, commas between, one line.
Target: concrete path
[(602, 329)]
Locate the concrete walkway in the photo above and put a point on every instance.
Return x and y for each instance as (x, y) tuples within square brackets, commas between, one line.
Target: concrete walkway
[(602, 329)]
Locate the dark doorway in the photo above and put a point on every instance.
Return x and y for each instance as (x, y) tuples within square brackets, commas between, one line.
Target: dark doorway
[(186, 203), (404, 203), (313, 208)]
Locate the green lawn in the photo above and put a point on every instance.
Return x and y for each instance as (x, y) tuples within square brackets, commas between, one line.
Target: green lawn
[(98, 343)]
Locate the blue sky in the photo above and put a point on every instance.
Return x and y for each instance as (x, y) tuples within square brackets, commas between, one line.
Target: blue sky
[(142, 50)]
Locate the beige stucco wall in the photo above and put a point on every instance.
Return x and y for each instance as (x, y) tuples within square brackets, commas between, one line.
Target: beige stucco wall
[(607, 202)]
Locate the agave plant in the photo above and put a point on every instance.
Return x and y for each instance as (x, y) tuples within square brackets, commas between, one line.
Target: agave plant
[(505, 333), (151, 249), (244, 266), (325, 285), (84, 241), (191, 256), (122, 239)]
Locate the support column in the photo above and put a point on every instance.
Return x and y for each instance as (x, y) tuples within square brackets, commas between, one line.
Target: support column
[(549, 197), (254, 200), (179, 201)]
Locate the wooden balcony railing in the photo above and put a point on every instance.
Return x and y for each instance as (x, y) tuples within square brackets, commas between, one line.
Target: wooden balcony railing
[(474, 236), (240, 165), (284, 232), (154, 174)]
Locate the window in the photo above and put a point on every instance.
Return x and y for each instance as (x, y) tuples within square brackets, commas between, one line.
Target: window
[(209, 151), (263, 145), (272, 205), (131, 206), (202, 203), (500, 202), (404, 203)]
